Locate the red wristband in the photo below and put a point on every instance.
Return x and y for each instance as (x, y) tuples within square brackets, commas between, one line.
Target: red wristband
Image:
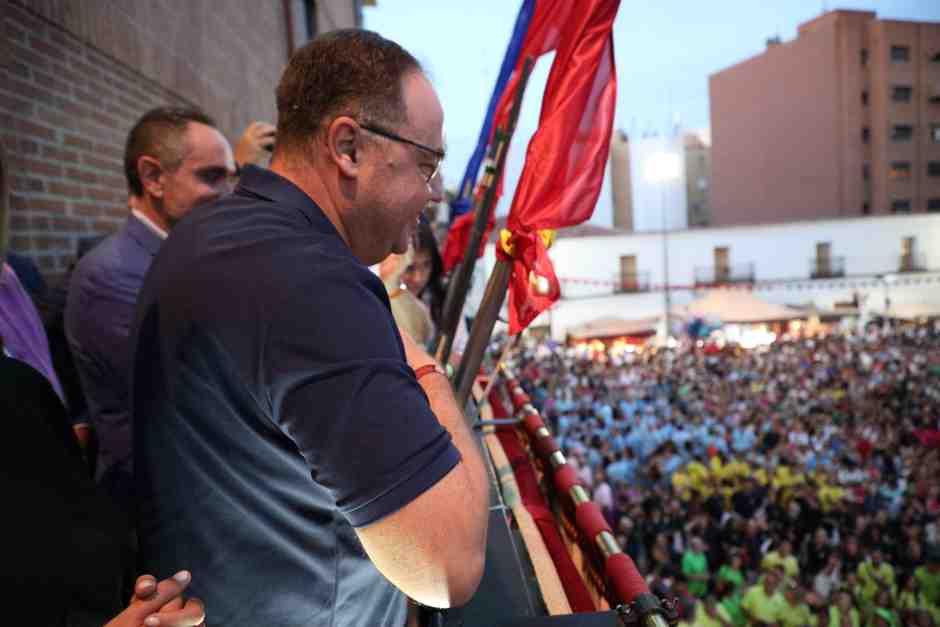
[(428, 369)]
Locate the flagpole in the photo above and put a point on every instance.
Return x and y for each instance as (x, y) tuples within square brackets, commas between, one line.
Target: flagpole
[(460, 283), (482, 329)]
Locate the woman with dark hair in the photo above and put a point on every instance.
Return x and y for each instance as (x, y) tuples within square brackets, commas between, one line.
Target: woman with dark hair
[(424, 275)]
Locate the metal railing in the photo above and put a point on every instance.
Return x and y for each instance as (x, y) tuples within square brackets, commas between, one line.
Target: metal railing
[(915, 262), (721, 275), (826, 268)]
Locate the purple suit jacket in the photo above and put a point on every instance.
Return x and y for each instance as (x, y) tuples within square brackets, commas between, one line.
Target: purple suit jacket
[(98, 315)]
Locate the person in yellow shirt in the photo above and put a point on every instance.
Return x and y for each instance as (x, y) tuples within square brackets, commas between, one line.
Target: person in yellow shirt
[(782, 557), (795, 613), (762, 603), (709, 613), (843, 613), (875, 574)]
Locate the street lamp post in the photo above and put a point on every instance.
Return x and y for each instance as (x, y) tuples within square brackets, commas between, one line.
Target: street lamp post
[(663, 168)]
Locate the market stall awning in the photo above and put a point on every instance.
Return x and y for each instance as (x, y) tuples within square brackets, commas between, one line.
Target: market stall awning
[(912, 311), (737, 306), (613, 327)]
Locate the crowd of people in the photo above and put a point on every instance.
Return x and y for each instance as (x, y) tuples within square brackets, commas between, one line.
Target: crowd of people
[(791, 484)]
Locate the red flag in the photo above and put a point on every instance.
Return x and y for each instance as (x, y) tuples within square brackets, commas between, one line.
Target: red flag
[(458, 238), (564, 167), (542, 36)]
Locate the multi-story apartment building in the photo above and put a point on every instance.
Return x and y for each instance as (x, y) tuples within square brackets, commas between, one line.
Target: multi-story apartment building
[(842, 121)]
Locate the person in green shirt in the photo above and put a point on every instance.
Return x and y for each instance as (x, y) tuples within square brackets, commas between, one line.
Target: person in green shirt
[(732, 573), (875, 574), (763, 603), (695, 568), (928, 577), (730, 600), (709, 613), (795, 613)]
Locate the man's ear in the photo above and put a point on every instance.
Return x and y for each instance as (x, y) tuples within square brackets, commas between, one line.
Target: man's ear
[(343, 139), (151, 175)]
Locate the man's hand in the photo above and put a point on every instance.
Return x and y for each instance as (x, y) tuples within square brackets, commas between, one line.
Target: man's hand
[(161, 604), (255, 144)]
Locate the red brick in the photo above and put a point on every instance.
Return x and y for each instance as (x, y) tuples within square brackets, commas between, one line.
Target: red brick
[(51, 242), (54, 118), (50, 50), (114, 182), (82, 175), (19, 223), (102, 164), (14, 33), (36, 130), (59, 154), (87, 209), (31, 58), (51, 82), (17, 105), (27, 90), (32, 166), (65, 189), (31, 203), (105, 226), (20, 243), (77, 142), (110, 150), (99, 194), (40, 223), (62, 223), (26, 184), (18, 69)]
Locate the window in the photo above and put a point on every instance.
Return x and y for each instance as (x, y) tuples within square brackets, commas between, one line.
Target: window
[(935, 133), (933, 168), (864, 98), (866, 135), (936, 58), (902, 93), (902, 132), (933, 205), (900, 53), (864, 56), (901, 205), (866, 208), (900, 170), (866, 171)]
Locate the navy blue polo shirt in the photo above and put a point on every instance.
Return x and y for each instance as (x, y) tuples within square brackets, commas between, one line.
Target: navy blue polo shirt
[(273, 412)]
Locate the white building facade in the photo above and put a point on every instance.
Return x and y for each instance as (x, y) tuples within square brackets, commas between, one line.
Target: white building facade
[(886, 261)]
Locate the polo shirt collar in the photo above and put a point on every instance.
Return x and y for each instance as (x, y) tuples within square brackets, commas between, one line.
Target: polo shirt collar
[(264, 183)]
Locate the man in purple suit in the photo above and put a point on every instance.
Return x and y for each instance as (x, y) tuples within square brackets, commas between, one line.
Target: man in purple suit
[(174, 160)]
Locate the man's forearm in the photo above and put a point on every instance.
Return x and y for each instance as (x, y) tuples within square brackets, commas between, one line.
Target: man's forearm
[(444, 405)]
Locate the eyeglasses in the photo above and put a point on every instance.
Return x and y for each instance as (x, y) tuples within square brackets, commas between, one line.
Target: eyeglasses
[(438, 154)]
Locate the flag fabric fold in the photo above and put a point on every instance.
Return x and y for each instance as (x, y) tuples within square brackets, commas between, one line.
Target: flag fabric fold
[(537, 31), (565, 160)]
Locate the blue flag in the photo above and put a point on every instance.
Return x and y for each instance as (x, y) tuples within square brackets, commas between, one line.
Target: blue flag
[(461, 204)]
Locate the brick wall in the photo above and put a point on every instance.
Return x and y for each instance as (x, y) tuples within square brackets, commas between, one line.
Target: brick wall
[(74, 78)]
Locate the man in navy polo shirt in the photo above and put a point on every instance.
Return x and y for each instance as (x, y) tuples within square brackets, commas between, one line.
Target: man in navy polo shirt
[(303, 459)]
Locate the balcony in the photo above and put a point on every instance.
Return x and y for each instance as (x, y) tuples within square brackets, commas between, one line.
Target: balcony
[(706, 276), (625, 283), (826, 268), (912, 263)]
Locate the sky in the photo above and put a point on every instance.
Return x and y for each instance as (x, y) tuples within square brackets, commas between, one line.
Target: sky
[(665, 50)]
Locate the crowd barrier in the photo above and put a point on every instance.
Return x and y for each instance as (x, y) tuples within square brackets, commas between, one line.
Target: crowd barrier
[(532, 450)]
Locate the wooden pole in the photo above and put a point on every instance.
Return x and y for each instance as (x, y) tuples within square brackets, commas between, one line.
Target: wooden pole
[(482, 330), (460, 283)]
